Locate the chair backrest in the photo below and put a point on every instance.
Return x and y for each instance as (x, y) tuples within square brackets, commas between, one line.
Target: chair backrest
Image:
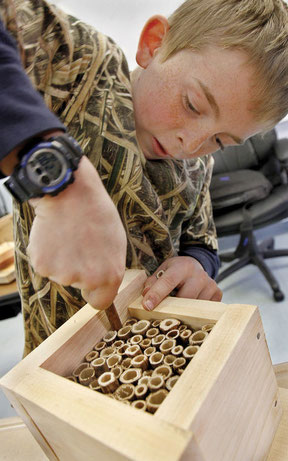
[(251, 155)]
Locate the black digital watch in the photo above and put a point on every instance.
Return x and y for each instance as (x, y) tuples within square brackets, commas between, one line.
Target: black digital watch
[(46, 168)]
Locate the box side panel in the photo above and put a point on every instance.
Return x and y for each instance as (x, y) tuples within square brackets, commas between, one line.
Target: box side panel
[(81, 424), (269, 430), (228, 390), (195, 313)]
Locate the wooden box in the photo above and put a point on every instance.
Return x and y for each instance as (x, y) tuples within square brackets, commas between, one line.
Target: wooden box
[(224, 407)]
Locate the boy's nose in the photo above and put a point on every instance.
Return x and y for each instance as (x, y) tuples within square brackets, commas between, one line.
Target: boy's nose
[(191, 143)]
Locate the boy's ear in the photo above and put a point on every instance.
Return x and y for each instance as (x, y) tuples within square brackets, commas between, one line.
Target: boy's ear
[(151, 39)]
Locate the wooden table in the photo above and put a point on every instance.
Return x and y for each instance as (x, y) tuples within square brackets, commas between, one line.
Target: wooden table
[(16, 442)]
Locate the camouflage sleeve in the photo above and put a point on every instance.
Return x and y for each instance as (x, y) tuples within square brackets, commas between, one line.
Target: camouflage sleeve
[(200, 228)]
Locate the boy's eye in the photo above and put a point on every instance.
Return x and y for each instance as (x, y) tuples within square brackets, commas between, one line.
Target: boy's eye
[(190, 106), (219, 142)]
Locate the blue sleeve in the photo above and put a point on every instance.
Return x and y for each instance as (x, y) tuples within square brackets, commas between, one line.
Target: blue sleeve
[(207, 258), (23, 112)]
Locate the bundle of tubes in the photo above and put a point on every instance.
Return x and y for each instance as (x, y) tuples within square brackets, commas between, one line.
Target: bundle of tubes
[(140, 363)]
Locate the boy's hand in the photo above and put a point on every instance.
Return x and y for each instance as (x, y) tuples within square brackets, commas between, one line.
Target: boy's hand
[(77, 238), (184, 273)]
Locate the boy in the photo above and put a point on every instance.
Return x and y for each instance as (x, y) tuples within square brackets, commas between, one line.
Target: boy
[(203, 83)]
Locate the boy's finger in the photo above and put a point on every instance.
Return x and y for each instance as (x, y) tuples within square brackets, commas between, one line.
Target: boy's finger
[(160, 289)]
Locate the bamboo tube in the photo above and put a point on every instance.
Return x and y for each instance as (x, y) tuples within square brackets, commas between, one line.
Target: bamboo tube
[(140, 361), (190, 351), (80, 367), (170, 383), (91, 356), (167, 346), (144, 380), (72, 378), (155, 399), (125, 392), (168, 324), (152, 332), (134, 350), (110, 337), (130, 322), (141, 327), (121, 350), (145, 343), (94, 385), (177, 350), (118, 343), (179, 364), (147, 373), (126, 363), (100, 366), (118, 370), (156, 323), (130, 376), (163, 370), (208, 327), (86, 376), (182, 327), (156, 359), (136, 339), (173, 334), (156, 382), (108, 382), (197, 338), (150, 350), (99, 346), (157, 340), (107, 351), (185, 335), (169, 359), (125, 332), (139, 404), (113, 360), (141, 390)]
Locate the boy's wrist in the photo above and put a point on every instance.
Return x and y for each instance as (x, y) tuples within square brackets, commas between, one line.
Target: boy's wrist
[(46, 167)]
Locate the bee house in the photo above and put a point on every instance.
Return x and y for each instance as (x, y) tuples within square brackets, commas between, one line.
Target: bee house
[(223, 407)]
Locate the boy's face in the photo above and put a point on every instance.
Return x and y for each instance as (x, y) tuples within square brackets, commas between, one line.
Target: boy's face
[(192, 103)]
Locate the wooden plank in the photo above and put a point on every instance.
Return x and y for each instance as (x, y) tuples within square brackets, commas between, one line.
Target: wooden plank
[(228, 390), (281, 373), (192, 312)]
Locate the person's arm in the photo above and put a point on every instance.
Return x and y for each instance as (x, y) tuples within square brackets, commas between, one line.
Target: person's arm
[(77, 237)]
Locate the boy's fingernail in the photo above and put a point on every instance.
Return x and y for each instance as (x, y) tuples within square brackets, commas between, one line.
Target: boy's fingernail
[(148, 305), (145, 291)]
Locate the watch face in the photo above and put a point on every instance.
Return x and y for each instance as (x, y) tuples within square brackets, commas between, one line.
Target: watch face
[(47, 168)]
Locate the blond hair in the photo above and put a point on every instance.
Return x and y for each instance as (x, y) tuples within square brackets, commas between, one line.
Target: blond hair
[(258, 27)]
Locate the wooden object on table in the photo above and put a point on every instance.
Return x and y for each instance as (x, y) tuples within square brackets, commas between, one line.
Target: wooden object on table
[(224, 406), (7, 267), (6, 228)]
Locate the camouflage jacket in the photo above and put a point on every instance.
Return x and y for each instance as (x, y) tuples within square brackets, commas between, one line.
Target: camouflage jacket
[(84, 79)]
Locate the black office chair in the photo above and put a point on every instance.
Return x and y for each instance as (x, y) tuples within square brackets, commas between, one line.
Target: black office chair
[(249, 190)]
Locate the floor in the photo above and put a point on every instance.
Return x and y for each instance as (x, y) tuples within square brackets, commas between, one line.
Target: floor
[(246, 286)]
